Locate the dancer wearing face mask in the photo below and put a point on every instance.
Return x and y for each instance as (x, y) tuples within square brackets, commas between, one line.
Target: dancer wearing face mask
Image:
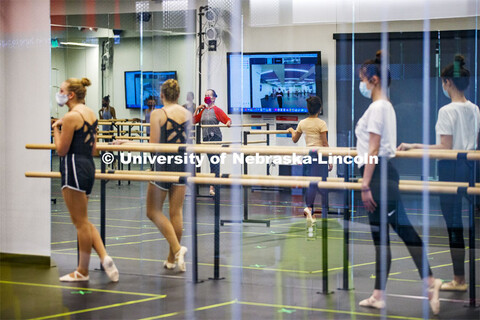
[(75, 143), (209, 113), (376, 135), (457, 128)]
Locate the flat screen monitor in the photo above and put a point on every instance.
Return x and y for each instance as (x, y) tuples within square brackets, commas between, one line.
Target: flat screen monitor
[(152, 81), (272, 82)]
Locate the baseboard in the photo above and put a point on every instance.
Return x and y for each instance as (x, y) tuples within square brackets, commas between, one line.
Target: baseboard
[(13, 258)]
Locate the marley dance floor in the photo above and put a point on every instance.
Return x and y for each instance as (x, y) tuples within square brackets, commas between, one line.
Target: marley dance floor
[(269, 273)]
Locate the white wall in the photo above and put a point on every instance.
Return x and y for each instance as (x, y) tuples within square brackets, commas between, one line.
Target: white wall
[(75, 62), (25, 113), (284, 33), (158, 53), (274, 26)]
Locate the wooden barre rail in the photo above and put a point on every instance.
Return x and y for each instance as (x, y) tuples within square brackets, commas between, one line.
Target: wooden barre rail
[(126, 123), (233, 125), (301, 178), (221, 142), (232, 142), (112, 120), (131, 138), (267, 132), (122, 131), (255, 182), (265, 150)]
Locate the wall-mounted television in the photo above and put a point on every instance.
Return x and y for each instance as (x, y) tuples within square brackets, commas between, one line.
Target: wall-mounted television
[(152, 81), (272, 82)]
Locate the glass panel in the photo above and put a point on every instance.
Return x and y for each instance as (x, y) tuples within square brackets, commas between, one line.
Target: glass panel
[(264, 65)]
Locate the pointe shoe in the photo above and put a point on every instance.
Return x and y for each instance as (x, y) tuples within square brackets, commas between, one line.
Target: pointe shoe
[(372, 303), (110, 268), (453, 286), (168, 265), (77, 276), (180, 258), (433, 295)]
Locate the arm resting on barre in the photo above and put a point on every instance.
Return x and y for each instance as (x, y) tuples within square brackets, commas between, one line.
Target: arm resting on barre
[(446, 142), (295, 134)]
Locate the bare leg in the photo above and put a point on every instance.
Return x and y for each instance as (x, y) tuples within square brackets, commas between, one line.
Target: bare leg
[(176, 197), (155, 200), (98, 243), (76, 202)]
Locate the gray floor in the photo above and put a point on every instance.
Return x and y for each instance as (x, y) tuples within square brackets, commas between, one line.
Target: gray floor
[(269, 273)]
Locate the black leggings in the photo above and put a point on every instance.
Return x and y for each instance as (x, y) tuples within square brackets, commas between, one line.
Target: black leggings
[(315, 170), (451, 205), (214, 167), (398, 219)]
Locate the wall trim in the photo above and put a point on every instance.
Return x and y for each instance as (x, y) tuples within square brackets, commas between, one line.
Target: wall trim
[(14, 258)]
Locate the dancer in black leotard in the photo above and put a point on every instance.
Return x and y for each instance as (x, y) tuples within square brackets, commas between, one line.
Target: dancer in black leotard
[(75, 144), (169, 125)]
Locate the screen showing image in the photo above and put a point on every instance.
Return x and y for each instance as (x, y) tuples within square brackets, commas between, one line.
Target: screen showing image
[(152, 81), (272, 82)]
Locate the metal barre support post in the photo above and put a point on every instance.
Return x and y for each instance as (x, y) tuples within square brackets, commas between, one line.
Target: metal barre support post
[(216, 251), (471, 236), (103, 207)]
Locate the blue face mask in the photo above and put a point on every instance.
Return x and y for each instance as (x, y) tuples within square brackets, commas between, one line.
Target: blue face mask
[(364, 91), (445, 92)]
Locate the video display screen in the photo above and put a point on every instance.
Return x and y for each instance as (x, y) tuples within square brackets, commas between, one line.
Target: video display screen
[(272, 82), (152, 81)]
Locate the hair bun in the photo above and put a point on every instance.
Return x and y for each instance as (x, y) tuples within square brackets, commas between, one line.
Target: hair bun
[(460, 60), (378, 57), (85, 82)]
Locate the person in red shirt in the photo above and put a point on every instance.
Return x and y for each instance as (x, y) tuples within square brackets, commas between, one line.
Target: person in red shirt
[(209, 113)]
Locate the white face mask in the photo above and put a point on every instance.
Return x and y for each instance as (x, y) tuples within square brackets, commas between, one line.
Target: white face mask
[(364, 91), (61, 99), (445, 92)]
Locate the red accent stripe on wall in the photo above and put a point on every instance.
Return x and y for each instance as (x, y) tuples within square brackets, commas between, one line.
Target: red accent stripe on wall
[(90, 17), (57, 14), (117, 24)]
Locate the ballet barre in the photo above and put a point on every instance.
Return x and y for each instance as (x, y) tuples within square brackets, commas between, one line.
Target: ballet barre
[(267, 182), (122, 131), (265, 150), (419, 187), (233, 125), (221, 142), (405, 185), (267, 131), (234, 180), (126, 123), (131, 138), (246, 133)]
